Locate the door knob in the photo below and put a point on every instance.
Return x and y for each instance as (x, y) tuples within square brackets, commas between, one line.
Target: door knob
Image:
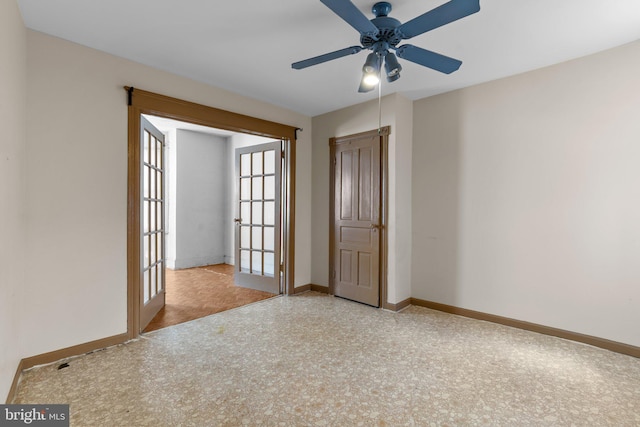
[(237, 219), (375, 227)]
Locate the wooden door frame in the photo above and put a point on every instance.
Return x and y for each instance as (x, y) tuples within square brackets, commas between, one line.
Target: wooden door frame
[(143, 102), (383, 133)]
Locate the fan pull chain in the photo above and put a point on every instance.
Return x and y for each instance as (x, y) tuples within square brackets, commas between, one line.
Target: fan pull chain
[(379, 102)]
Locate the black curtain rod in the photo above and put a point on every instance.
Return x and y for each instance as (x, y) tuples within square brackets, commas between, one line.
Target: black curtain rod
[(130, 96)]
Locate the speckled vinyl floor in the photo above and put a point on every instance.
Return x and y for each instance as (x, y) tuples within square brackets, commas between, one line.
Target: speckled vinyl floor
[(315, 360)]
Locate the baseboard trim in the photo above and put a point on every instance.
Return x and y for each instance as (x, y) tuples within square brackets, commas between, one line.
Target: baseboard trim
[(76, 350), (301, 289), (325, 290), (53, 356), (310, 287), (614, 346), (320, 288), (185, 263), (397, 306)]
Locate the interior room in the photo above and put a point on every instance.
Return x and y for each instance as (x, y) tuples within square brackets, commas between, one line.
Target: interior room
[(199, 221), (501, 205)]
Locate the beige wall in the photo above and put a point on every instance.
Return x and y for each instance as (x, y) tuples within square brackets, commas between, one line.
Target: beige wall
[(400, 188), (526, 196), (396, 112), (13, 115), (77, 187)]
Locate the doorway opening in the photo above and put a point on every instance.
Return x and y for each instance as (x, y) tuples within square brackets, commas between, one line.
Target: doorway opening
[(147, 103), (200, 205)]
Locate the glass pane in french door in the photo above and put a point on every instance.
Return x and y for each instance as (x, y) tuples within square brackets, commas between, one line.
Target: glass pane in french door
[(153, 211)]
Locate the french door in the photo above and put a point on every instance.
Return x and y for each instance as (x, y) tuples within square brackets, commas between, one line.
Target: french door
[(152, 285), (258, 177)]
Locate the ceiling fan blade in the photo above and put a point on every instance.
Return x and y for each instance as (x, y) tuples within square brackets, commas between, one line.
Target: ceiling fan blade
[(441, 15), (326, 57), (352, 15), (429, 59)]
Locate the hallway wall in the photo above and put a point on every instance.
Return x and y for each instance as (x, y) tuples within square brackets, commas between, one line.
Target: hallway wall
[(201, 191)]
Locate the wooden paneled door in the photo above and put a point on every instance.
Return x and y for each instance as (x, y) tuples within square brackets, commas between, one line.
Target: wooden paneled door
[(356, 225), (152, 285), (258, 217)]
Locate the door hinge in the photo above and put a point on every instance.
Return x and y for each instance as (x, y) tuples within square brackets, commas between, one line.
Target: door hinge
[(282, 268)]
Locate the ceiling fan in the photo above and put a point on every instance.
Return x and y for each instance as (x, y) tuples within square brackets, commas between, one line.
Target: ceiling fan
[(383, 34)]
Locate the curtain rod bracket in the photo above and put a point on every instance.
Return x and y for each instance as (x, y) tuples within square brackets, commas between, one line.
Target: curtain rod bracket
[(296, 132), (130, 96)]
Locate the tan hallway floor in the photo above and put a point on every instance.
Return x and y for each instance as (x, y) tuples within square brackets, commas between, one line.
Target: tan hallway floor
[(318, 360), (197, 292)]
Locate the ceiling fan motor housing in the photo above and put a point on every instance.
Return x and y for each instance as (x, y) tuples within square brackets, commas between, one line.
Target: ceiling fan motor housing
[(387, 32), (386, 27)]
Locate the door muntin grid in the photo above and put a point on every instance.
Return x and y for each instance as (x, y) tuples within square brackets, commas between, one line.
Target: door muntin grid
[(257, 198), (152, 216)]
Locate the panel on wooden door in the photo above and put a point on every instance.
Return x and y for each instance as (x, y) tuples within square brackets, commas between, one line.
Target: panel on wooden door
[(152, 285), (257, 243), (357, 204)]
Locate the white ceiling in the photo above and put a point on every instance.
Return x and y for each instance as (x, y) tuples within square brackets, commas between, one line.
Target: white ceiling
[(166, 125), (247, 46)]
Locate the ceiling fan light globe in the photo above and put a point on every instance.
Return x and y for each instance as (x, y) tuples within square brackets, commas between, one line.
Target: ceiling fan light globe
[(393, 72), (370, 79), (372, 64), (392, 67), (393, 78)]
